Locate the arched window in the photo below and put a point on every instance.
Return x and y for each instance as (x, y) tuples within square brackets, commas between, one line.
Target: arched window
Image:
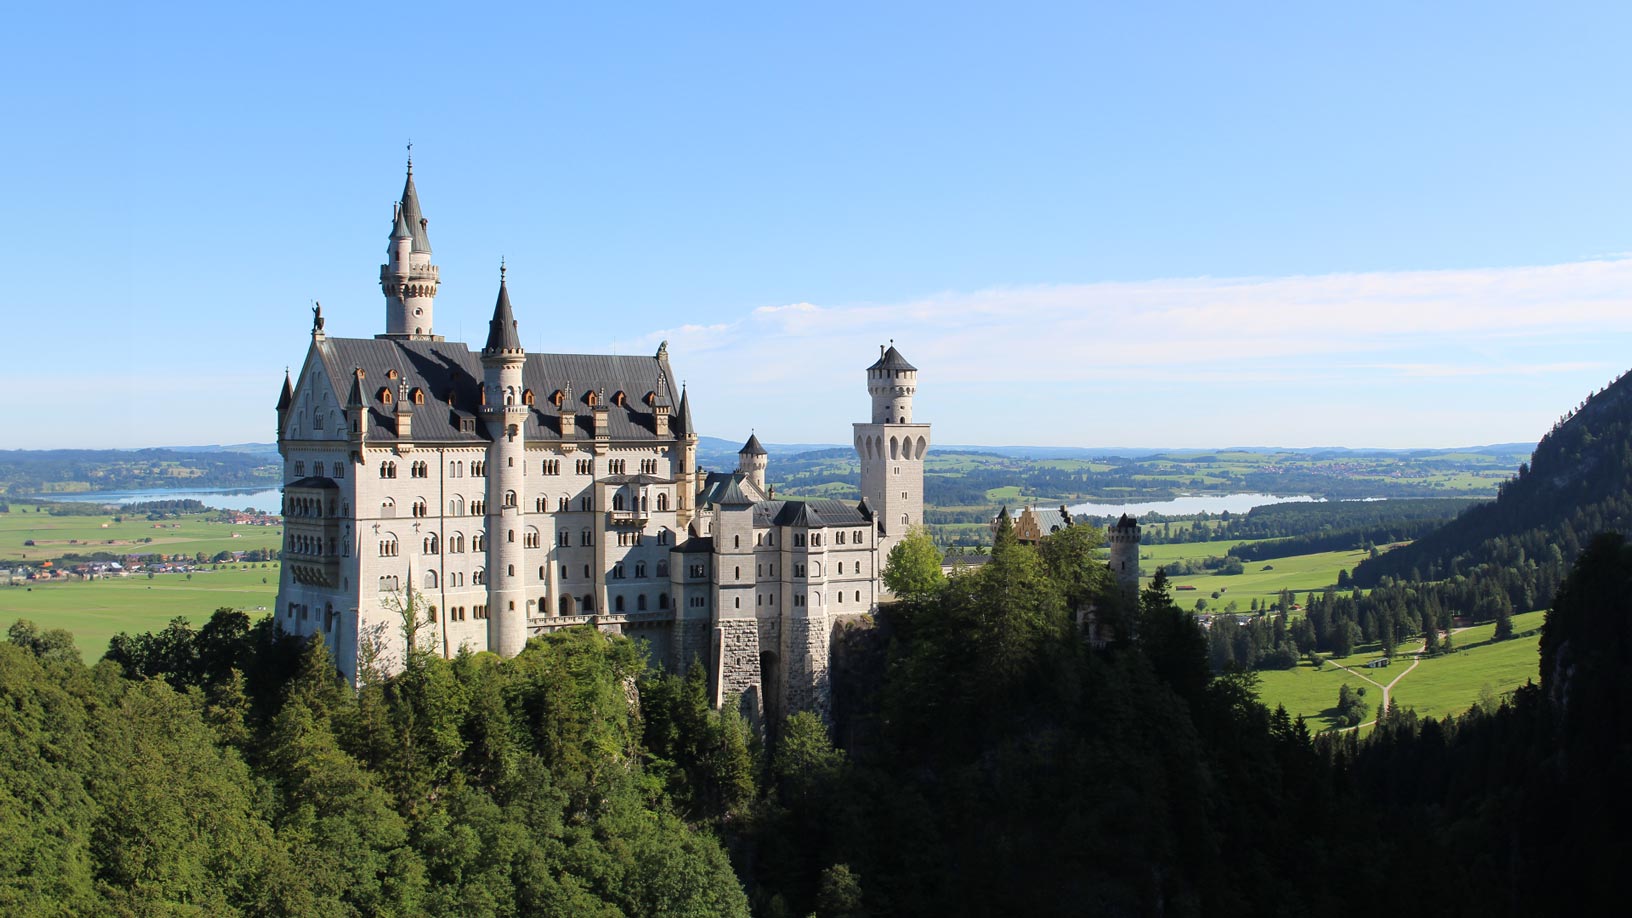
[(662, 600), (418, 396), (478, 542), (617, 501), (509, 498), (384, 395), (388, 507), (432, 546), (590, 398), (526, 396), (662, 502), (617, 604), (618, 398), (587, 604), (557, 398), (479, 577), (430, 580), (640, 603)]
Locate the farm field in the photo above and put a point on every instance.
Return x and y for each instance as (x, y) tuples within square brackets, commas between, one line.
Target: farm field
[(58, 535), (1299, 573), (1439, 686), (96, 610)]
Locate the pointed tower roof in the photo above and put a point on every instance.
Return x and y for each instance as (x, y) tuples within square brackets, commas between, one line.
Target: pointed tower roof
[(732, 495), (399, 226), (287, 396), (752, 447), (412, 215), (501, 329), (355, 399), (891, 360), (684, 424)]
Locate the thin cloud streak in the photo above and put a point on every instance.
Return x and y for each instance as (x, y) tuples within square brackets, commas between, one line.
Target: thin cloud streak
[(1272, 338)]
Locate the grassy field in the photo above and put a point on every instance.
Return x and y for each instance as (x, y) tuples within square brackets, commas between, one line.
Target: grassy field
[(1299, 573), (58, 535), (1439, 686), (96, 610)]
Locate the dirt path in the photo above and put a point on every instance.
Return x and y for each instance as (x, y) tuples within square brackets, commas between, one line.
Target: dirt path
[(1416, 660)]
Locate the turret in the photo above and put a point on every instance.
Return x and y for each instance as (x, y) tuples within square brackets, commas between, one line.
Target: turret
[(408, 279), (1124, 541), (892, 448), (752, 460), (285, 399), (505, 415), (357, 409), (892, 382)]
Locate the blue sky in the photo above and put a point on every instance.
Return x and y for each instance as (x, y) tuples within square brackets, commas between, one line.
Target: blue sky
[(1140, 224)]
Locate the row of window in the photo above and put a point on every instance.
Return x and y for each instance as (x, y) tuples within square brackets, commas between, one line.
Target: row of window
[(478, 468), (335, 469)]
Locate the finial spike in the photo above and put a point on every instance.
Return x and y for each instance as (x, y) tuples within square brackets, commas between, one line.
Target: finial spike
[(501, 269)]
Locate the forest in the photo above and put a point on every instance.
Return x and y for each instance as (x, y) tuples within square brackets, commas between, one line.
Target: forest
[(29, 472), (982, 759)]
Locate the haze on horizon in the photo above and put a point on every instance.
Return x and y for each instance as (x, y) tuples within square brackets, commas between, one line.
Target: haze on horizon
[(1194, 227)]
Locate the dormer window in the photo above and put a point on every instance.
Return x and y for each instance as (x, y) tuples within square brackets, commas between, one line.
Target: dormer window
[(384, 395), (590, 398), (618, 398), (526, 396), (418, 396), (391, 374)]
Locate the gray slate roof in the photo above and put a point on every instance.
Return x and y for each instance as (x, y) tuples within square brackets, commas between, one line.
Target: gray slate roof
[(752, 447), (412, 215), (450, 375), (892, 360), (817, 513), (501, 329)]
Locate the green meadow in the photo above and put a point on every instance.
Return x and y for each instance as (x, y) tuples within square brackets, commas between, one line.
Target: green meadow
[(1438, 686), (1299, 573), (96, 610), (55, 536)]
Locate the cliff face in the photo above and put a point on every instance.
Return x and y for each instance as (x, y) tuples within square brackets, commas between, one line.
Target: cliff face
[(1578, 483)]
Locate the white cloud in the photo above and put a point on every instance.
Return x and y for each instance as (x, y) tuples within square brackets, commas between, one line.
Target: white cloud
[(1028, 351)]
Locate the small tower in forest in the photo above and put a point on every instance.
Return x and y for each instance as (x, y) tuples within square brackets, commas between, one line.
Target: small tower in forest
[(1124, 542)]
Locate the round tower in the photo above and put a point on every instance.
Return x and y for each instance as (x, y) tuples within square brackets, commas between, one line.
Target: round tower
[(892, 381), (892, 448), (505, 416), (752, 461), (408, 278), (1124, 541)]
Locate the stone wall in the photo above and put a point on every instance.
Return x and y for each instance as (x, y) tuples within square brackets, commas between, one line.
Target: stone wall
[(808, 688), (738, 669)]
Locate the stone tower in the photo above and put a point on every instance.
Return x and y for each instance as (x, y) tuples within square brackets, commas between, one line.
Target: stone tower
[(892, 450), (752, 460), (1124, 540), (505, 415), (408, 278)]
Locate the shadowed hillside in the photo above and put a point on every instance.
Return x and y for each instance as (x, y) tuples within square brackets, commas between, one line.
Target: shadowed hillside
[(1575, 485)]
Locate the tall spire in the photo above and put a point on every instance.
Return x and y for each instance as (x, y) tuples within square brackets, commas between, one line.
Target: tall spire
[(287, 396), (412, 215), (685, 412), (408, 279), (501, 329)]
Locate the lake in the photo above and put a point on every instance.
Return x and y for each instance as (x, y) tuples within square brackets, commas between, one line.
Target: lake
[(267, 500), (1188, 504)]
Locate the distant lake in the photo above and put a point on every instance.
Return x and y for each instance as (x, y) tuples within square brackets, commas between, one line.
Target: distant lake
[(1188, 504), (267, 500)]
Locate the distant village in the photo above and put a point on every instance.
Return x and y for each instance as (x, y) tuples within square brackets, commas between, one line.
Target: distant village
[(89, 559)]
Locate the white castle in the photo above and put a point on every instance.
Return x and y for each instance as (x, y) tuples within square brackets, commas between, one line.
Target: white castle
[(510, 494)]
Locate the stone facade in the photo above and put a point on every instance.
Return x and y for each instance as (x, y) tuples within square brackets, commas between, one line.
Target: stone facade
[(501, 494)]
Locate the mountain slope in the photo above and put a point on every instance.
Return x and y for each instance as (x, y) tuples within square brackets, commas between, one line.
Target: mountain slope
[(1578, 483)]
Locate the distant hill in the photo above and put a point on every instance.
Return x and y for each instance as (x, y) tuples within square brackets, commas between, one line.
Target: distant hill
[(56, 471), (1577, 483)]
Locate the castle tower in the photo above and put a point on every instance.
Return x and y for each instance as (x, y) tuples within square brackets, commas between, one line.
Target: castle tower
[(1124, 541), (505, 416), (408, 278), (892, 450), (752, 460)]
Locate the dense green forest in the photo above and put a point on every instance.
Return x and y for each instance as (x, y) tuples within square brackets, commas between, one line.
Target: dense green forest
[(990, 762)]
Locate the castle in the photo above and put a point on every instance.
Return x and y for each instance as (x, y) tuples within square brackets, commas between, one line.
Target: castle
[(495, 495)]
